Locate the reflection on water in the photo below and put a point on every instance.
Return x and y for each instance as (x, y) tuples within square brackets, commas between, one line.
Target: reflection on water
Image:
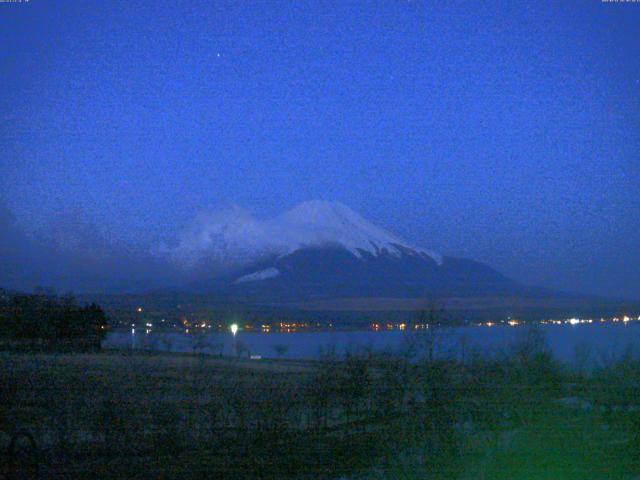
[(593, 342)]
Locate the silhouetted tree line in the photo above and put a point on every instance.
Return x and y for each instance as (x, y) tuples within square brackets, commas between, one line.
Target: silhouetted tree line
[(46, 319)]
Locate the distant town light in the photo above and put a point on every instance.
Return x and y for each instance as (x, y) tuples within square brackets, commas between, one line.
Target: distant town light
[(574, 321), (234, 328), (139, 309)]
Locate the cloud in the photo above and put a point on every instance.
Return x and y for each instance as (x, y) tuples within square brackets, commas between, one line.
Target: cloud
[(75, 255), (217, 239)]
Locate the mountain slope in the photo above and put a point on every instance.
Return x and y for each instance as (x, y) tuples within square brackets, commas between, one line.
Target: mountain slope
[(321, 250), (314, 273), (234, 238)]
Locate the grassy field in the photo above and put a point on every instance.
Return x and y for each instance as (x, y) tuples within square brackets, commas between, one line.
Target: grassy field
[(118, 415)]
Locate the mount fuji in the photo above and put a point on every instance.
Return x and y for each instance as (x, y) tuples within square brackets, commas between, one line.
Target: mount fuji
[(321, 250)]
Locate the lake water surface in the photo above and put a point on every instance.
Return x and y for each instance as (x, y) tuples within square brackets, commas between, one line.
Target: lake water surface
[(593, 343)]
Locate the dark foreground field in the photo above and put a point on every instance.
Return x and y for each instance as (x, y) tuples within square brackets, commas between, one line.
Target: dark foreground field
[(116, 415)]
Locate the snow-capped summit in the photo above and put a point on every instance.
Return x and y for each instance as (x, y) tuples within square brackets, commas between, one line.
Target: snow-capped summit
[(318, 222), (234, 237)]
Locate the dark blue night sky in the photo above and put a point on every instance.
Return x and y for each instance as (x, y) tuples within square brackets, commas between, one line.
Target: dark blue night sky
[(507, 132)]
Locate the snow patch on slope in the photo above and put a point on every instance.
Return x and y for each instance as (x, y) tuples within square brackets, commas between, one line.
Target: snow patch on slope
[(259, 275), (234, 237)]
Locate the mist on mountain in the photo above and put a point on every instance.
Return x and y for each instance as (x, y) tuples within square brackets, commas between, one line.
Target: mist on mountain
[(73, 255)]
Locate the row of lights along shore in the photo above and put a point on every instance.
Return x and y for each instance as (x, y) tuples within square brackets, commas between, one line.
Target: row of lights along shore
[(282, 327)]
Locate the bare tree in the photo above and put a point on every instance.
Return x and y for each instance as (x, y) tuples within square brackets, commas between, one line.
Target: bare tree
[(167, 343), (281, 350), (241, 348), (199, 342), (424, 336)]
